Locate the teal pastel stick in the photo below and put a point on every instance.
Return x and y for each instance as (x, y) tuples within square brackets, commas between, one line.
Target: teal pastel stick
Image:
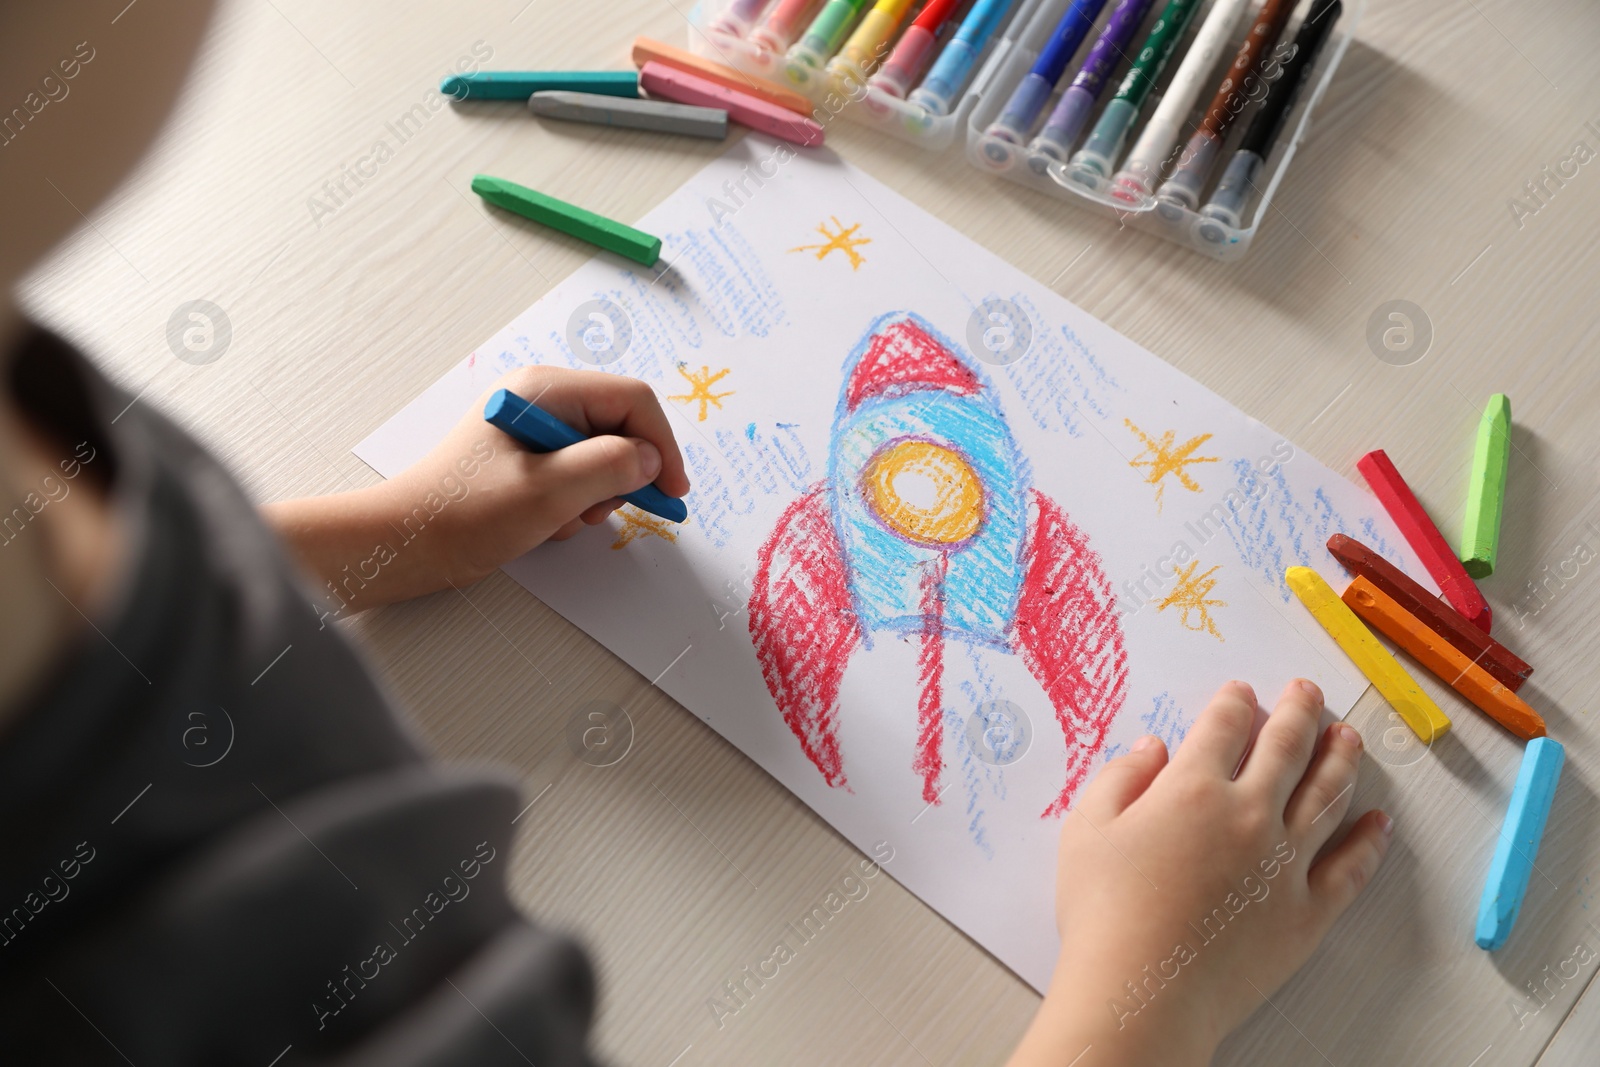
[(1514, 853), (521, 84), (537, 430)]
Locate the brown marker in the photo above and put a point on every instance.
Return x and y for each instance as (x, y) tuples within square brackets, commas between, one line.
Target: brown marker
[(1491, 655)]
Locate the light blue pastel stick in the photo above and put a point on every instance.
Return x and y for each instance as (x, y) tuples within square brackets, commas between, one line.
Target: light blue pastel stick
[(1514, 853), (948, 76)]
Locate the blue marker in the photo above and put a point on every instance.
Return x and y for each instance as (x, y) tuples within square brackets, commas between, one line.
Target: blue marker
[(539, 431), (1519, 841), (1027, 100), (949, 74)]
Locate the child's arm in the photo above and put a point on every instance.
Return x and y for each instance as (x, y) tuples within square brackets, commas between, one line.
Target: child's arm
[(479, 500), (1186, 895)]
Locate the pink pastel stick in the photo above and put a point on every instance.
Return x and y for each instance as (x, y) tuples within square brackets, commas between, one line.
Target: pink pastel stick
[(676, 85)]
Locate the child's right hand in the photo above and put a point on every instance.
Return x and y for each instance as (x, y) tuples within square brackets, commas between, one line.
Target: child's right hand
[(1186, 894)]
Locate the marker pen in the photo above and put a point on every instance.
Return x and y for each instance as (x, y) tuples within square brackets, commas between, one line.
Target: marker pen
[(1140, 171), (1105, 140), (1061, 129), (1027, 99), (865, 48), (781, 26), (822, 38), (1238, 181), (737, 18), (950, 71), (910, 55)]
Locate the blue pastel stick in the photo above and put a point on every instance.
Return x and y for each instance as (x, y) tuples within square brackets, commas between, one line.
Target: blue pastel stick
[(1519, 841), (948, 75), (539, 431), (521, 84)]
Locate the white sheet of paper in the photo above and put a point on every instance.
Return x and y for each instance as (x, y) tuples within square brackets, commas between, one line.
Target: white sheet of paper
[(753, 289)]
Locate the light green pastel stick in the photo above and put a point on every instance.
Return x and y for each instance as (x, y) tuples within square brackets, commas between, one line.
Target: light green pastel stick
[(1486, 495), (585, 225)]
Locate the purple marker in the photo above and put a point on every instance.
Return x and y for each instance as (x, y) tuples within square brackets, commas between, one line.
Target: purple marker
[(1057, 137)]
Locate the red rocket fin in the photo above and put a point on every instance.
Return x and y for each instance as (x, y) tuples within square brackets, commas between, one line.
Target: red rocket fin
[(1066, 631), (804, 626)]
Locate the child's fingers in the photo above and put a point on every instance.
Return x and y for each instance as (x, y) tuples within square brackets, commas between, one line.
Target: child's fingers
[(1340, 876), (1217, 741), (593, 472), (1123, 780), (605, 404), (1283, 749), (1324, 794)]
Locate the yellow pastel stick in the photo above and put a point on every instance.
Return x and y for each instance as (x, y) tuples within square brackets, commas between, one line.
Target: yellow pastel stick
[(1381, 669)]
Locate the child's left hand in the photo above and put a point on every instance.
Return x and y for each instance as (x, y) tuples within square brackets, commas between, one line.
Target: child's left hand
[(479, 500)]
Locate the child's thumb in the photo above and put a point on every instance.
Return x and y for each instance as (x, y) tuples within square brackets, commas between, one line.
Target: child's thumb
[(596, 470)]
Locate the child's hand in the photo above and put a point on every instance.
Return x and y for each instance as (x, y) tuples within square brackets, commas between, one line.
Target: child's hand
[(479, 500), (1186, 895)]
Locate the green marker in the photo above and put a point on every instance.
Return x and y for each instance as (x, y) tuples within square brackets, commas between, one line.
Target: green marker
[(1486, 495), (569, 219), (1104, 144), (822, 38)]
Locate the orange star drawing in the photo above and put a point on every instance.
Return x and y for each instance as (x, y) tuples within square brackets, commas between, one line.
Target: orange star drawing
[(1191, 595), (843, 241), (637, 524), (700, 389), (1167, 458)]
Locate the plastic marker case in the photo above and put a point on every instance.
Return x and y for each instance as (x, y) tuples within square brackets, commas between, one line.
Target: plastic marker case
[(1012, 56), (764, 47)]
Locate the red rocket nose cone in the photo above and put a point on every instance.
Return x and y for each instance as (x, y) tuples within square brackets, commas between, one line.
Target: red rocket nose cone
[(903, 358)]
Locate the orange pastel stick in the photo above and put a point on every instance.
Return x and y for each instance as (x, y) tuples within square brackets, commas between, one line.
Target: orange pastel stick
[(1381, 612), (646, 50)]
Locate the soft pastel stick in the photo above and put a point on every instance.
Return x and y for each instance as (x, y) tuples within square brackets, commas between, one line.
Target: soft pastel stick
[(866, 47), (570, 219), (1439, 656), (1382, 670), (1061, 129), (670, 83), (1518, 844), (823, 37), (708, 122), (1424, 538), (647, 51), (539, 431), (1491, 459), (948, 76), (781, 26), (1016, 119), (1501, 663), (910, 54), (519, 85)]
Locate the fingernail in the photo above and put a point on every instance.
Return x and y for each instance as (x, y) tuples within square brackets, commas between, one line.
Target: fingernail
[(1144, 742), (1309, 688), (1385, 824), (649, 459), (1350, 735), (1247, 690)]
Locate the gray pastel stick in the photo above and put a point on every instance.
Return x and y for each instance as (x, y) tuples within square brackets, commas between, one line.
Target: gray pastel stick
[(709, 122)]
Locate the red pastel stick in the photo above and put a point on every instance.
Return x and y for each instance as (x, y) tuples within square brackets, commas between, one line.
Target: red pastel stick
[(1424, 538), (685, 88)]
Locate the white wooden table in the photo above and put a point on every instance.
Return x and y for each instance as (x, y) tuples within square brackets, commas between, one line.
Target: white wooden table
[(681, 863)]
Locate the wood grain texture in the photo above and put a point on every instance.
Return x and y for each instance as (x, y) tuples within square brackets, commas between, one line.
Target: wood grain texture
[(680, 864)]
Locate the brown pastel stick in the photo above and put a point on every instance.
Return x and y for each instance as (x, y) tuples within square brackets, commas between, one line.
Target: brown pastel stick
[(1436, 615), (1442, 658)]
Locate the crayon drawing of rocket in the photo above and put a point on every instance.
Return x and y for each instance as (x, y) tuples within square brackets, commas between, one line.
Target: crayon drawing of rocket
[(927, 527)]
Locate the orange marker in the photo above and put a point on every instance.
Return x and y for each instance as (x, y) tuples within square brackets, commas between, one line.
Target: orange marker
[(646, 50), (1442, 658)]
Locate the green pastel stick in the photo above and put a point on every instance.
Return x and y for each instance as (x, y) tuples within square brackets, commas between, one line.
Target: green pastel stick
[(570, 219), (521, 84), (1486, 494)]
